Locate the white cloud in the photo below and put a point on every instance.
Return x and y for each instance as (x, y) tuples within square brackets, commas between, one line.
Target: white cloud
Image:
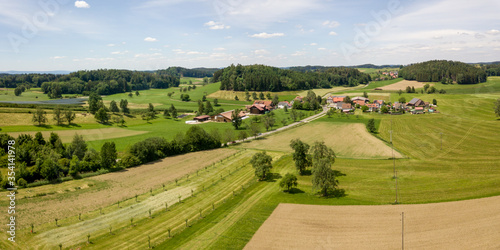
[(150, 39), (178, 51), (261, 52), (332, 33), (331, 24), (82, 4), (57, 57), (111, 45), (299, 53), (321, 48), (219, 49), (313, 44), (194, 53), (119, 52), (216, 25), (267, 35), (493, 32), (141, 55)]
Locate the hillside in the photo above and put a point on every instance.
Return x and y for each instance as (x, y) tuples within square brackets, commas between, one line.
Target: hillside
[(443, 71)]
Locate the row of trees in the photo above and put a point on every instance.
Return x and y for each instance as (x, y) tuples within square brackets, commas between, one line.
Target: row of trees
[(443, 71), (50, 159), (266, 78), (154, 148)]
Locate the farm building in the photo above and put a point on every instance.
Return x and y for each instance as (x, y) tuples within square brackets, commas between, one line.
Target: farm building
[(399, 106), (282, 105), (379, 102), (359, 102), (257, 109), (360, 98), (202, 118), (415, 102), (226, 116)]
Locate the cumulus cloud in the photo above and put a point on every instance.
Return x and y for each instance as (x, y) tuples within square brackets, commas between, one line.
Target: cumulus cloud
[(119, 52), (332, 33), (261, 52), (299, 53), (82, 4), (216, 25), (331, 24), (313, 44), (57, 57), (267, 35), (219, 49), (150, 39), (493, 32)]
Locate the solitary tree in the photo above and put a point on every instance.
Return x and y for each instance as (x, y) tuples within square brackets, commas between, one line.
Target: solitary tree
[(216, 102), (497, 107), (324, 178), (124, 106), (77, 147), (236, 118), (276, 100), (434, 102), (261, 96), (137, 92), (69, 115), (95, 102), (113, 107), (254, 129), (102, 116), (18, 91), (288, 181), (39, 116), (58, 115), (262, 163), (365, 95), (108, 154), (300, 156), (371, 126), (269, 121), (402, 99)]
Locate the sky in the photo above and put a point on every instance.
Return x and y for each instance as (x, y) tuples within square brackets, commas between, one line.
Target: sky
[(73, 35)]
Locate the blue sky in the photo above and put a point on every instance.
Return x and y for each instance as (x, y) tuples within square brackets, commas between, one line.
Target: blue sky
[(155, 34)]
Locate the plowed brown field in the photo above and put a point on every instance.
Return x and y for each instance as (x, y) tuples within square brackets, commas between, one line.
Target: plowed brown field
[(471, 224)]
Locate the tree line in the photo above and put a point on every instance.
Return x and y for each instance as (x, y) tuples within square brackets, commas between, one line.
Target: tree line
[(443, 71), (102, 81), (267, 78), (492, 69), (184, 72)]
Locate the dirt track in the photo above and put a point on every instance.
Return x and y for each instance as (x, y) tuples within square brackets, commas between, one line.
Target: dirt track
[(471, 224)]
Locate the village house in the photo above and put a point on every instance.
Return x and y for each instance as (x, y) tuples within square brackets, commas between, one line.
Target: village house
[(226, 116), (260, 107), (372, 107), (379, 102), (299, 99), (360, 98), (399, 106), (418, 110)]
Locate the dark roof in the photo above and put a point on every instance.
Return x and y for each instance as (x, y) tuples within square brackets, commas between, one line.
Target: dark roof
[(414, 101), (201, 117)]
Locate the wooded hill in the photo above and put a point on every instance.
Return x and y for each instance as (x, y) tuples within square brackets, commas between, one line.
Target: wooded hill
[(267, 78), (444, 71)]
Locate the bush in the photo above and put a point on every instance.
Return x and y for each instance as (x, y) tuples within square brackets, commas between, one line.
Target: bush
[(129, 161), (22, 182)]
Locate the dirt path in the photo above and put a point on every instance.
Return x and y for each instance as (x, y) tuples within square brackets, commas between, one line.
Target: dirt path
[(471, 224)]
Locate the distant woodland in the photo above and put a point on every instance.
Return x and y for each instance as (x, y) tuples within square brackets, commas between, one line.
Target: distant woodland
[(444, 71), (266, 78)]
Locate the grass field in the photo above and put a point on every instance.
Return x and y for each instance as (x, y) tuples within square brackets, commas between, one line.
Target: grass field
[(33, 94)]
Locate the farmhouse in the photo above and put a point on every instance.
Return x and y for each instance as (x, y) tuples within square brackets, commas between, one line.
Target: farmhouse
[(379, 102), (418, 110), (399, 106), (346, 107), (202, 118), (372, 107), (226, 116), (415, 102), (335, 99), (260, 107)]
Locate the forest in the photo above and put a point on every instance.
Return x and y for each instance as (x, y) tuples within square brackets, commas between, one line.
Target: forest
[(102, 81), (184, 72), (267, 78), (492, 69), (443, 71)]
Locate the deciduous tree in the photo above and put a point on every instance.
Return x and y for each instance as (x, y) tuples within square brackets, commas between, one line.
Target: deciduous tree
[(288, 181), (236, 119), (262, 163), (39, 116), (300, 156)]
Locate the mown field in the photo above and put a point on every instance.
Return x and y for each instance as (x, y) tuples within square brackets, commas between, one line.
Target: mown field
[(234, 205)]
